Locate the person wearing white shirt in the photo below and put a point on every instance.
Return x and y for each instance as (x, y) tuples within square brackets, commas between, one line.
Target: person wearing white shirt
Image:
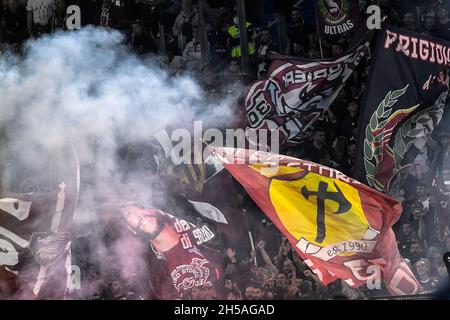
[(40, 13)]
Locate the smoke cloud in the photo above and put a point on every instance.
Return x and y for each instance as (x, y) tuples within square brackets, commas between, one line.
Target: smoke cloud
[(88, 89)]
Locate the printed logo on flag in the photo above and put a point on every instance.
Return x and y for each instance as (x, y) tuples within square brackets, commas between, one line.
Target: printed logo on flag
[(324, 214), (334, 11)]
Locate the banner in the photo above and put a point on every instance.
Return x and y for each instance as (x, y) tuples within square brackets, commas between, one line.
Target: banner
[(297, 92), (335, 18), (341, 228), (404, 103)]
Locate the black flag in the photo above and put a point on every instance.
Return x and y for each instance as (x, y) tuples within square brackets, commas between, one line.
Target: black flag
[(405, 101)]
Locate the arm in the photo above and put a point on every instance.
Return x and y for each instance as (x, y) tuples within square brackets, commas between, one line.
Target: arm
[(176, 29), (265, 256), (310, 274), (422, 227), (297, 261)]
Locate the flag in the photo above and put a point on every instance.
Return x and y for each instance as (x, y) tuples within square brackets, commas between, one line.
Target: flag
[(297, 92), (404, 103), (341, 228), (335, 18)]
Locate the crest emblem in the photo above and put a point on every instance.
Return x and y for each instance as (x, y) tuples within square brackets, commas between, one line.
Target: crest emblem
[(334, 11)]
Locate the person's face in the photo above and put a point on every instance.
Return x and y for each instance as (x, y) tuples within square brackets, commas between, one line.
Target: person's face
[(336, 50), (234, 66), (407, 229), (319, 137), (209, 292), (420, 191), (281, 280), (257, 294), (297, 48), (187, 5), (287, 266), (269, 282), (421, 268), (12, 4), (143, 220), (249, 293), (434, 254), (196, 293), (231, 296), (307, 133), (195, 33), (444, 142), (60, 6), (429, 24), (417, 210), (408, 19), (223, 11), (440, 230), (297, 282), (313, 53), (352, 107), (265, 36), (441, 12), (296, 16), (415, 249), (229, 284), (116, 287)]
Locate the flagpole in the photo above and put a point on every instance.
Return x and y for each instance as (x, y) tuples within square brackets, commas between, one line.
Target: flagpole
[(318, 29), (320, 47), (253, 246)]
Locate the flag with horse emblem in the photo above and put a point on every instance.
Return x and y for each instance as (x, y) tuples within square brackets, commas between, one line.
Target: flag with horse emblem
[(339, 227), (404, 103)]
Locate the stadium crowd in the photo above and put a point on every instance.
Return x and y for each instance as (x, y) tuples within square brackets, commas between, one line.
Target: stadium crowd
[(172, 30)]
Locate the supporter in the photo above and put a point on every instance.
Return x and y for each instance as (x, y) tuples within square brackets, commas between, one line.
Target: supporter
[(415, 252), (439, 237), (59, 22), (192, 53), (442, 159), (265, 47), (258, 293), (186, 19), (422, 269), (299, 31), (142, 40), (339, 152), (442, 26), (298, 50), (317, 150), (233, 42), (406, 237), (234, 295), (15, 22), (313, 52), (350, 123), (336, 50), (409, 21), (429, 25), (232, 73)]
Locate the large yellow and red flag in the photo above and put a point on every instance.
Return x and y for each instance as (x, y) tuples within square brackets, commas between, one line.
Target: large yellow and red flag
[(339, 227)]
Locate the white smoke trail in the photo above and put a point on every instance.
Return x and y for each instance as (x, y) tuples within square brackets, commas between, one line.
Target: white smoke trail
[(86, 87)]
